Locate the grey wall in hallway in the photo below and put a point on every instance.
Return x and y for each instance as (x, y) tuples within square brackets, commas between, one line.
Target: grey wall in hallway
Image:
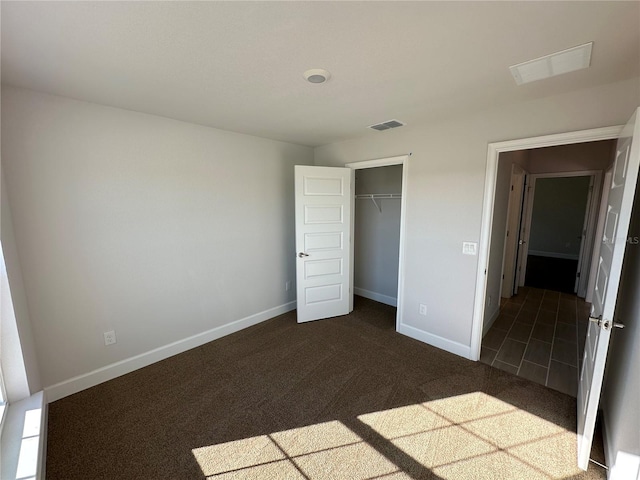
[(559, 207)]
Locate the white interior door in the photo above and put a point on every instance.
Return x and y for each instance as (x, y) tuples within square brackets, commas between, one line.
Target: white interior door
[(581, 273), (514, 215), (323, 241), (593, 268), (525, 227), (614, 241)]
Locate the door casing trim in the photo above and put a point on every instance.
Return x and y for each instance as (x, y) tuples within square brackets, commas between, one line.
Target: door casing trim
[(493, 151), (384, 162)]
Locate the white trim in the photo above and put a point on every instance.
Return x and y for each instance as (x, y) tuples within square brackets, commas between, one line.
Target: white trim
[(622, 465), (579, 173), (22, 456), (514, 207), (385, 162), (493, 151), (609, 456), (379, 162), (568, 138), (586, 245), (436, 341), (567, 256), (378, 297), (525, 231), (599, 230), (109, 372), (488, 324)]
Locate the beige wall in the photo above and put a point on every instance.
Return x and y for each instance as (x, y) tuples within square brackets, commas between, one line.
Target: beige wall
[(445, 193), (571, 158), (20, 368), (156, 228), (498, 231), (557, 219)]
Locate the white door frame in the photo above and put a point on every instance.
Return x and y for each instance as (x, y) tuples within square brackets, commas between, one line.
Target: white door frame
[(511, 234), (586, 252), (595, 254), (385, 162), (590, 210), (523, 246), (493, 152)]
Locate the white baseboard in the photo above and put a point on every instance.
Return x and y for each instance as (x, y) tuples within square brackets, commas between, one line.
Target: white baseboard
[(436, 341), (566, 256), (489, 321), (378, 297), (607, 447), (109, 372), (622, 465)]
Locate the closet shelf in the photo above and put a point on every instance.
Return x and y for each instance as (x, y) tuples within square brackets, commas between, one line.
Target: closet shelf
[(378, 196)]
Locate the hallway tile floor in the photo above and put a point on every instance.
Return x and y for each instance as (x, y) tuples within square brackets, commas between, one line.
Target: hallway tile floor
[(539, 335)]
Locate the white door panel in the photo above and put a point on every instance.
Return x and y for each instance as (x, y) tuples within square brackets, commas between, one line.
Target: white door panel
[(323, 232), (609, 268), (514, 216), (525, 230)]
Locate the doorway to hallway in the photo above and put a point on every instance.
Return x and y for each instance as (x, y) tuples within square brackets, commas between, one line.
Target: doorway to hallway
[(539, 335)]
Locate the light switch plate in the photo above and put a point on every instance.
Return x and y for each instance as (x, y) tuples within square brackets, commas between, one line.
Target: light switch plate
[(469, 248)]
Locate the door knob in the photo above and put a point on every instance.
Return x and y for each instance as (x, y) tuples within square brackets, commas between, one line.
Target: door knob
[(606, 324), (522, 242), (302, 254)]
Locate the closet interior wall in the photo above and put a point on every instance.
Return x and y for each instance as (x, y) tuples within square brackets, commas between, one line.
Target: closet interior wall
[(377, 233)]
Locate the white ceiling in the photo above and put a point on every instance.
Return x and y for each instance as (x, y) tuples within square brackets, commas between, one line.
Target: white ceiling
[(238, 65)]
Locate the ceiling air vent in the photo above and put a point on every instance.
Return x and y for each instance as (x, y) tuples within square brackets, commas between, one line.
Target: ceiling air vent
[(554, 64), (386, 125)]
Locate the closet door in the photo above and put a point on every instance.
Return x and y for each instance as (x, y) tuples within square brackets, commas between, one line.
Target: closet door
[(323, 241)]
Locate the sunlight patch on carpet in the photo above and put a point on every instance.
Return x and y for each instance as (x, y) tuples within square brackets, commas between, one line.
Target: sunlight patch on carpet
[(478, 436), (468, 436), (324, 450)]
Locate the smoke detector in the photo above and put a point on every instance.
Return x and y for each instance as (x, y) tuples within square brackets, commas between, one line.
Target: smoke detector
[(316, 75)]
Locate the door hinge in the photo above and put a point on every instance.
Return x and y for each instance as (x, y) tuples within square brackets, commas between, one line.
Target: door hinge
[(512, 188)]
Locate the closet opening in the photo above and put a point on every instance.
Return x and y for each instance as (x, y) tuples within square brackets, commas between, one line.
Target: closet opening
[(377, 231)]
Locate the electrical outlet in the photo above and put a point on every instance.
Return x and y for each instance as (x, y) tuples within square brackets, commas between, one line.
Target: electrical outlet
[(423, 309), (287, 285), (110, 337), (490, 302)]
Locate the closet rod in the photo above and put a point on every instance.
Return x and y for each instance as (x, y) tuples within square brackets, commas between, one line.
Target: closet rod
[(380, 196)]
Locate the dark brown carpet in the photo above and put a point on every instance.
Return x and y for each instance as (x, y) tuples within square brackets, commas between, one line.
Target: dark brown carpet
[(343, 398)]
